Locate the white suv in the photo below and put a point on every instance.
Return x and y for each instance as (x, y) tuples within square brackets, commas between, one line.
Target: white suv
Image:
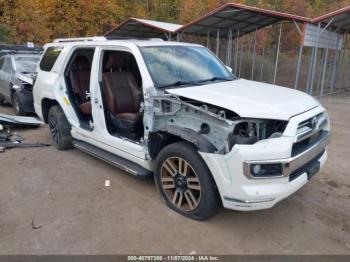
[(176, 111)]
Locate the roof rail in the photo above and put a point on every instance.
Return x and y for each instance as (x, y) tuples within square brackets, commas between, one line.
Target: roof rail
[(80, 39)]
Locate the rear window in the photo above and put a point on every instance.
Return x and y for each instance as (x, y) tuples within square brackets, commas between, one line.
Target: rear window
[(50, 57)]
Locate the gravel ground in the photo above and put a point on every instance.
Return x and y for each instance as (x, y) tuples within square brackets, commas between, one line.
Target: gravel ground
[(63, 195)]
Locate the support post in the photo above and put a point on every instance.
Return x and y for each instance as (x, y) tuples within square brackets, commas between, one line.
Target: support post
[(324, 71), (277, 55), (240, 58), (208, 39), (315, 59), (341, 59), (319, 76), (237, 53), (229, 48), (253, 63), (262, 64), (310, 69), (217, 42), (335, 61), (298, 66)]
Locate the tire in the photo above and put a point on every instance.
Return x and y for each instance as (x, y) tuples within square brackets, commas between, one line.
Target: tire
[(185, 182), (16, 104), (60, 129)]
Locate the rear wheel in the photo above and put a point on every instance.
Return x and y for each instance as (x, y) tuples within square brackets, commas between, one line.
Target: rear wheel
[(60, 129), (185, 181), (16, 104)]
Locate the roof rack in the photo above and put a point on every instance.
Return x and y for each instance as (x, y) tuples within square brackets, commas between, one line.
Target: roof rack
[(19, 49), (80, 39)]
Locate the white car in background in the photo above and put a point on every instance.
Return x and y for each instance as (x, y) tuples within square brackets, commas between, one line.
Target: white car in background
[(175, 110)]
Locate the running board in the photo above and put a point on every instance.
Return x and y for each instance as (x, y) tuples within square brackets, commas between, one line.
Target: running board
[(112, 159)]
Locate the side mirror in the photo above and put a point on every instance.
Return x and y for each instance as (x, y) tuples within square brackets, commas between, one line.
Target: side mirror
[(229, 69)]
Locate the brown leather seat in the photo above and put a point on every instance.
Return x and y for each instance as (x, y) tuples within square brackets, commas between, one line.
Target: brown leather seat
[(122, 95), (80, 81)]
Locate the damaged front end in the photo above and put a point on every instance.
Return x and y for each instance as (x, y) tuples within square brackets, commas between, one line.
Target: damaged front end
[(23, 86), (210, 128)]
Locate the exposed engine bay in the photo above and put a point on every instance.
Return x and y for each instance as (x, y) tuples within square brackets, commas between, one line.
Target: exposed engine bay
[(209, 127)]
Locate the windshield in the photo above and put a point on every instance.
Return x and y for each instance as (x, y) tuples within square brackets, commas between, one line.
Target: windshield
[(178, 66), (26, 64)]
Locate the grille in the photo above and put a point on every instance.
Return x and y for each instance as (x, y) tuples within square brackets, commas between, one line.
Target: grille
[(305, 167), (311, 126), (304, 145)]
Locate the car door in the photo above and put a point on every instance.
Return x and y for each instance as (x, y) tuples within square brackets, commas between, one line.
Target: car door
[(126, 148)]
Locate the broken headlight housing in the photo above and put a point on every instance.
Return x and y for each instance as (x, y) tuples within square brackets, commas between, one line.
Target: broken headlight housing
[(250, 131)]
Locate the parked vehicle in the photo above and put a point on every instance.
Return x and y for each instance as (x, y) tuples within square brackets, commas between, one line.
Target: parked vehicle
[(175, 110), (17, 72)]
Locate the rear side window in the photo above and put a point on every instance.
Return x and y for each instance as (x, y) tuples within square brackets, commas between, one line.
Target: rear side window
[(50, 57)]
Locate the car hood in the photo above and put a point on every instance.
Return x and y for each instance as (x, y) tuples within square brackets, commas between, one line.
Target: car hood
[(251, 99), (28, 78)]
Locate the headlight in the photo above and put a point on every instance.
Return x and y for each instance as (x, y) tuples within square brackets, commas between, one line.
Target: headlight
[(268, 170)]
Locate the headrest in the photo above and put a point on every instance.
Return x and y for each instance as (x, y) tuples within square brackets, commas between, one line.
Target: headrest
[(115, 61), (82, 63)]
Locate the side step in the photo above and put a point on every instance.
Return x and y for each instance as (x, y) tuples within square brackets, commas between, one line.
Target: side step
[(112, 159)]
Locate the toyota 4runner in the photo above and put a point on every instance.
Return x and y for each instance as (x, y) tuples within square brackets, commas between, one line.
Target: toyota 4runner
[(176, 111)]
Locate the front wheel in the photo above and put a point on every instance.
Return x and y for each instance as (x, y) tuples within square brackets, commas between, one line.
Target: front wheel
[(185, 182), (60, 129), (16, 104)]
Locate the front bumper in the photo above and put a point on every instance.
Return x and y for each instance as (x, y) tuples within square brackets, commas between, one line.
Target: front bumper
[(26, 100), (292, 164), (240, 191)]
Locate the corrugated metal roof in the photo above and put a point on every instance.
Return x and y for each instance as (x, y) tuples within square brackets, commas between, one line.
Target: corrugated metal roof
[(341, 18), (169, 27), (244, 18), (142, 28)]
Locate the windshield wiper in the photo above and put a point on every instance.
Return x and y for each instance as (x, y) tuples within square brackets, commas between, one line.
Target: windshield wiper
[(215, 78), (179, 83)]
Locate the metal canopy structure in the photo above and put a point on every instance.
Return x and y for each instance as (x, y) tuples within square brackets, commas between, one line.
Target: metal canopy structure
[(143, 28), (327, 35), (232, 21), (338, 19), (225, 30), (237, 17)]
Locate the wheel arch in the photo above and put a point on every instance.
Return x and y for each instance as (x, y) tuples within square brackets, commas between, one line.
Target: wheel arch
[(158, 140), (46, 104)]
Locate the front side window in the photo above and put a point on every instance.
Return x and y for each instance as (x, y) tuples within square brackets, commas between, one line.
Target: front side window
[(179, 66), (50, 57)]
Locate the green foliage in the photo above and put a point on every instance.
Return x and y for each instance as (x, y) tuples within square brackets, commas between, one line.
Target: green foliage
[(4, 35)]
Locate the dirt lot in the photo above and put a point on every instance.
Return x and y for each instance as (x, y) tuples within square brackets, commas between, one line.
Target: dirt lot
[(64, 193)]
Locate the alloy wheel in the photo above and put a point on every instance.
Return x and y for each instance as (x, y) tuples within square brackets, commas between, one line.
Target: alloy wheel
[(180, 183), (54, 129)]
